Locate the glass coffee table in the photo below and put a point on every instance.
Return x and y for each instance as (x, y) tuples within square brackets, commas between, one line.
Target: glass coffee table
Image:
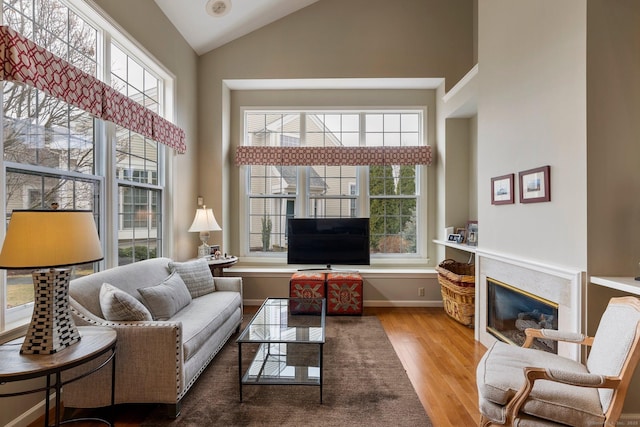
[(290, 333)]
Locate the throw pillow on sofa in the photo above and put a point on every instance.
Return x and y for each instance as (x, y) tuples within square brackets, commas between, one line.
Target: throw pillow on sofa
[(196, 275), (117, 305), (167, 298)]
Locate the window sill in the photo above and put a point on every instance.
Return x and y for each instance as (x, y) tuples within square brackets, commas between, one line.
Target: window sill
[(14, 330), (365, 271)]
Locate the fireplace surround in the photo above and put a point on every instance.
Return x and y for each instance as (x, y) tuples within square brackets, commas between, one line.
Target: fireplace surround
[(560, 286)]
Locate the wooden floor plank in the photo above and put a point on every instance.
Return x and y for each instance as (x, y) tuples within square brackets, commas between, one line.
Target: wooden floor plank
[(439, 355)]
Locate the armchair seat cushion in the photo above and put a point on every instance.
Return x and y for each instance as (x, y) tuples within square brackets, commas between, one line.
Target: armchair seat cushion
[(500, 375)]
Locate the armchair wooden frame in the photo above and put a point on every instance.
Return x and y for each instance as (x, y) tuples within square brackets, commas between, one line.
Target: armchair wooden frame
[(619, 384)]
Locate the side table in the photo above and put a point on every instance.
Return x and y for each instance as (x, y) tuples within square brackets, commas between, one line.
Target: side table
[(218, 265), (95, 342)]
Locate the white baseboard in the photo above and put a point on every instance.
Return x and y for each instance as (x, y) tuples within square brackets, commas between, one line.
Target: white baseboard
[(32, 414), (629, 420), (371, 303)]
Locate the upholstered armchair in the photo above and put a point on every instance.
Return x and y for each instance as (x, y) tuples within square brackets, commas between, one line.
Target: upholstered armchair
[(521, 386)]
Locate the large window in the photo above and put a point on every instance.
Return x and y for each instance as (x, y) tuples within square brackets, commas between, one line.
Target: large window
[(57, 156), (137, 164), (388, 194)]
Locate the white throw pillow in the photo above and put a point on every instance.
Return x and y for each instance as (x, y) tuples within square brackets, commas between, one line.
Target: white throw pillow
[(117, 305), (196, 275), (167, 298)]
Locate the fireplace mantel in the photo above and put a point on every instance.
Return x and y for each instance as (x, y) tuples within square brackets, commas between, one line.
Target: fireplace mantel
[(563, 286)]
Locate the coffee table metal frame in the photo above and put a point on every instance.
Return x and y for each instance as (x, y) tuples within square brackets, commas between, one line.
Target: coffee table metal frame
[(284, 336)]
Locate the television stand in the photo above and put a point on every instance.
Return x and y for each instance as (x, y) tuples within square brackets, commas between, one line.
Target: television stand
[(328, 267)]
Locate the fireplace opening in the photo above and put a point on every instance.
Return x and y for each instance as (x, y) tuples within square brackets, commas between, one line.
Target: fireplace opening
[(511, 310)]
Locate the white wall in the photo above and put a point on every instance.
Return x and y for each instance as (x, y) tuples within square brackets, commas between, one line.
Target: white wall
[(531, 113)]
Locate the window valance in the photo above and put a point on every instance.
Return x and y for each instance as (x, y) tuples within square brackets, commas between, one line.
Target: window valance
[(25, 62), (333, 156)]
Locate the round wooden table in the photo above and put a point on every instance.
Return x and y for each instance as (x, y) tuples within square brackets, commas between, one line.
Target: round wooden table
[(218, 265), (94, 342)]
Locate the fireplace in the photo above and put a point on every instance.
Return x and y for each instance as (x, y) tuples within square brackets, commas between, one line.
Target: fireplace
[(511, 310)]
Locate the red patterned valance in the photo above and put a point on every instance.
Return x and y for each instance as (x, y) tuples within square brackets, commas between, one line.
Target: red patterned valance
[(25, 62), (333, 156)]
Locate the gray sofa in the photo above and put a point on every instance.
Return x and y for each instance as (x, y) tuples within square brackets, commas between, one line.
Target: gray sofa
[(157, 361)]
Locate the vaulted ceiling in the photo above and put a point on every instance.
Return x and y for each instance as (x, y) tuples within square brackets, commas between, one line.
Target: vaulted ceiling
[(208, 24)]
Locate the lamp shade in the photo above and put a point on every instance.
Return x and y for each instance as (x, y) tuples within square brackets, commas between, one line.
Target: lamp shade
[(204, 221), (51, 238)]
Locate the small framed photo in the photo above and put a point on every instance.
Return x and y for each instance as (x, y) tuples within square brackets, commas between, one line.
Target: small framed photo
[(535, 185), (502, 190), (472, 233), (462, 232), (455, 238), (214, 249)]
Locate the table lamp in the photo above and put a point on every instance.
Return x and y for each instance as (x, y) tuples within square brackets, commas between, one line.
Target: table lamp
[(47, 241), (204, 222)]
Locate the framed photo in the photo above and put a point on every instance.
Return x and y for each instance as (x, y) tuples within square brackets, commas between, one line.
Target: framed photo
[(472, 233), (214, 249), (462, 232), (456, 238), (502, 190), (535, 185)]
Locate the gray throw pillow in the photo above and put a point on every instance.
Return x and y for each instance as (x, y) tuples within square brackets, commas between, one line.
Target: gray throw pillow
[(167, 298), (117, 305), (196, 275)]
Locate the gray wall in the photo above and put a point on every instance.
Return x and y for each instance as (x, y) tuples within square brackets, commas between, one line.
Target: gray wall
[(559, 86), (328, 39), (531, 113)]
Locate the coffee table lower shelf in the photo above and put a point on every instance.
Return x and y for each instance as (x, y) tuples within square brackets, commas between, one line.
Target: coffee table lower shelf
[(284, 364)]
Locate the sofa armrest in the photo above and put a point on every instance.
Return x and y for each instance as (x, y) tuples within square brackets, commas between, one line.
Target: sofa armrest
[(149, 367), (228, 284)]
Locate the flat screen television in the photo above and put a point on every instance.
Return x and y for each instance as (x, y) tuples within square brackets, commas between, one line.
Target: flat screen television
[(328, 241)]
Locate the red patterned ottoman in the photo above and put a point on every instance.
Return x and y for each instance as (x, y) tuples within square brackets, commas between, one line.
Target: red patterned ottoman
[(344, 293), (308, 285)]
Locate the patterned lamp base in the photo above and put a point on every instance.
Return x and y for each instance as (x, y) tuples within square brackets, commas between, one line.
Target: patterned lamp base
[(52, 328)]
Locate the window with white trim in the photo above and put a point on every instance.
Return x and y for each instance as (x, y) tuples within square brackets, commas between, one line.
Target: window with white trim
[(56, 154), (389, 194)]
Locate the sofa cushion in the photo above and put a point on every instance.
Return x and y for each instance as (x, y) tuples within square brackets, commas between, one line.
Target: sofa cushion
[(117, 305), (85, 290), (202, 318), (500, 374), (196, 275), (167, 298)]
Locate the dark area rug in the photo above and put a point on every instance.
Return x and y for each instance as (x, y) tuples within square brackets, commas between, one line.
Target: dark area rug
[(364, 385)]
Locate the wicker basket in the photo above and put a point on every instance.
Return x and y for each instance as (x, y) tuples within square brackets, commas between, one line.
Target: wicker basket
[(457, 284)]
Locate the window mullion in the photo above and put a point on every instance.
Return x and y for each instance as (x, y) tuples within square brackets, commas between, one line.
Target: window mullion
[(303, 204)]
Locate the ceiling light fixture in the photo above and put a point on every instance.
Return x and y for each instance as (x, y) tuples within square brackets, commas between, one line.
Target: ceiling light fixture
[(218, 8)]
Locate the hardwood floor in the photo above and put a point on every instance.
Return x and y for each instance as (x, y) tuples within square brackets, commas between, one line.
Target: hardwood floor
[(440, 357), (438, 353)]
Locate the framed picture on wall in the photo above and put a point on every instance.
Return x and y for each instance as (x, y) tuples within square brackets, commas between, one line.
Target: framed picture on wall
[(535, 185), (502, 190)]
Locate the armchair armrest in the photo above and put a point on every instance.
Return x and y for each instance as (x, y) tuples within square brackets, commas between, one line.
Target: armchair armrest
[(532, 374), (551, 334), (572, 378)]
